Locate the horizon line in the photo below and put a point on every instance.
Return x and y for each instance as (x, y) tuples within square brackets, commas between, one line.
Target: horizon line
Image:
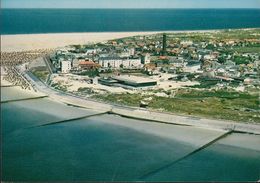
[(124, 8)]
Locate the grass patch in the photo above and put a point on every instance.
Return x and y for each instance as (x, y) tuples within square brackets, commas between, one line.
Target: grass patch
[(247, 49), (240, 107), (86, 91), (41, 74), (206, 84), (60, 87)]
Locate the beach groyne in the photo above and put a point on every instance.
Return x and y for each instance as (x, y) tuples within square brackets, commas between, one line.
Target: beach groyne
[(22, 99), (204, 146)]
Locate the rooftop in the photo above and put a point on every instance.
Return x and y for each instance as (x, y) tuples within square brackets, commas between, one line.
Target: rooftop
[(133, 79), (87, 63)]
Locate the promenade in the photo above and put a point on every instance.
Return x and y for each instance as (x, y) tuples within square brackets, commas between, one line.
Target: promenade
[(141, 113)]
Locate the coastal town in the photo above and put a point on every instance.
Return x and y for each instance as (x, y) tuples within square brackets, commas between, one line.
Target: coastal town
[(164, 57), (130, 91), (190, 73)]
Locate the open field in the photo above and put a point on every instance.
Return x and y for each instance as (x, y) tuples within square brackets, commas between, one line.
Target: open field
[(199, 36)]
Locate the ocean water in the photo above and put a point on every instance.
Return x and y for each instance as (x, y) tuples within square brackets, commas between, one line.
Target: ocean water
[(108, 147), (28, 21), (222, 161)]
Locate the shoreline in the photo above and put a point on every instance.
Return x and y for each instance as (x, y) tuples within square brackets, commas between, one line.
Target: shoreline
[(152, 31), (17, 41), (144, 114), (30, 42), (119, 32)]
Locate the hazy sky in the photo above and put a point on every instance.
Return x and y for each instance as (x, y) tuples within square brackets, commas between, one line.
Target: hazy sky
[(130, 3)]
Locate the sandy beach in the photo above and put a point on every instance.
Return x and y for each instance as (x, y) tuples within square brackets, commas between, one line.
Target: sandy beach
[(28, 42)]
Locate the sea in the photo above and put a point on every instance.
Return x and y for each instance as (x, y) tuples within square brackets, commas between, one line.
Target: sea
[(43, 140), (32, 21)]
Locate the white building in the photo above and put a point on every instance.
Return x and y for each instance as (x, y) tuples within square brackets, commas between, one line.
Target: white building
[(146, 59), (127, 52), (186, 43), (124, 54), (209, 57), (75, 63), (117, 62), (90, 51), (65, 66)]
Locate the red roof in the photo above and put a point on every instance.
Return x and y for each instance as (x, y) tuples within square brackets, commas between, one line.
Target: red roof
[(86, 63)]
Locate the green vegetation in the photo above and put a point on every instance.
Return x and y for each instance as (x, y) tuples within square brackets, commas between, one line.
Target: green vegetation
[(86, 91), (91, 73), (206, 84), (250, 49), (222, 35), (222, 104), (41, 74), (241, 60), (196, 37), (238, 34), (59, 87)]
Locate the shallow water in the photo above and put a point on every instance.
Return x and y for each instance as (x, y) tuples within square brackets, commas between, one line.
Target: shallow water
[(85, 150), (221, 161), (108, 147), (30, 113)]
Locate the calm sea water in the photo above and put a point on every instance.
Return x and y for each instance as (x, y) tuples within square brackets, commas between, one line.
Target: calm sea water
[(28, 21), (107, 147)]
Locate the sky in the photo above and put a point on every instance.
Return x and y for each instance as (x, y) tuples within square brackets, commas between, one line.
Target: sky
[(130, 3)]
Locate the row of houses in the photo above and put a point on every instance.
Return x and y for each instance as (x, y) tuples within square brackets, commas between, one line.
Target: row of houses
[(105, 62)]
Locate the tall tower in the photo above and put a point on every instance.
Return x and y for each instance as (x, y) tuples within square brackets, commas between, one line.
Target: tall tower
[(164, 44)]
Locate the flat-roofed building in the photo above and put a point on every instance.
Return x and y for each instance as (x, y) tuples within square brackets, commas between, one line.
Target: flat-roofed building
[(118, 62), (135, 81)]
